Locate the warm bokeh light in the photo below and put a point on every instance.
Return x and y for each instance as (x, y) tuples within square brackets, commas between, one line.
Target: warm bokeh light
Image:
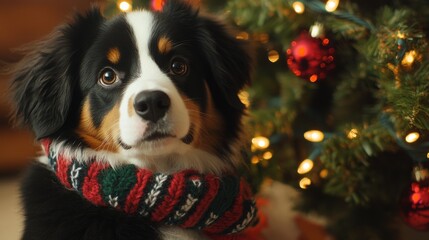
[(317, 30), (255, 160), (412, 137), (298, 7), (314, 136), (305, 166), (332, 5), (244, 98), (304, 183), (260, 142), (125, 6), (409, 58), (400, 35), (267, 155), (324, 173), (353, 133), (273, 56), (157, 5), (242, 36)]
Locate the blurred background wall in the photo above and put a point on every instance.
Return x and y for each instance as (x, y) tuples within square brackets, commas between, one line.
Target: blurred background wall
[(23, 22)]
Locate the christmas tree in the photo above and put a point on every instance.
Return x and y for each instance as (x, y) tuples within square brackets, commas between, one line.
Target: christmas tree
[(339, 106)]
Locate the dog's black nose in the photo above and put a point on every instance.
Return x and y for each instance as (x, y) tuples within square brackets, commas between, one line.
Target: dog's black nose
[(152, 105)]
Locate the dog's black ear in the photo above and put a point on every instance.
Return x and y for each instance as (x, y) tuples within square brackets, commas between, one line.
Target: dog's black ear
[(229, 59), (44, 81)]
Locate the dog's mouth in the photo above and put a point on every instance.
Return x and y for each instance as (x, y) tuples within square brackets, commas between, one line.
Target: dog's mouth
[(157, 136)]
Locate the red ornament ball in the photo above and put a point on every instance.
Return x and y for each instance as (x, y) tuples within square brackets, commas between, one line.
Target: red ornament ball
[(310, 58), (415, 202)]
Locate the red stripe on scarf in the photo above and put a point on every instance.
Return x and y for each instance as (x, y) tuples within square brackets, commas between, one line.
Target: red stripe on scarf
[(135, 195), (175, 192), (212, 189), (231, 216), (62, 170), (46, 143), (91, 187)]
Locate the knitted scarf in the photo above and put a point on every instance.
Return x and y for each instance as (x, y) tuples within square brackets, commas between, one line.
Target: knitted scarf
[(221, 207)]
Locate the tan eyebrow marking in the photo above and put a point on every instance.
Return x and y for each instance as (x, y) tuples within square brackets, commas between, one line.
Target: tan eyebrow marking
[(164, 45), (114, 55)]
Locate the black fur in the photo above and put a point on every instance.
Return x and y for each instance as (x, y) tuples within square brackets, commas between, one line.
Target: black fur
[(45, 82), (54, 213), (223, 61)]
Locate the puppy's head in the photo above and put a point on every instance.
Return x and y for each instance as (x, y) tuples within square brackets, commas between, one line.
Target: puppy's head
[(140, 84)]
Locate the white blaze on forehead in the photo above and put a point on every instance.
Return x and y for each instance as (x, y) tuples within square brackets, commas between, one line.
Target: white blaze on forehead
[(150, 77)]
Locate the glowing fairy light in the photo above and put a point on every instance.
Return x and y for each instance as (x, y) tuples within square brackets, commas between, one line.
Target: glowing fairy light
[(304, 183), (305, 166), (409, 58), (244, 98), (332, 5), (267, 155), (353, 133), (242, 36), (314, 136), (157, 5), (125, 6), (317, 30), (400, 35), (324, 173), (260, 142), (255, 160), (273, 56), (298, 7), (412, 137)]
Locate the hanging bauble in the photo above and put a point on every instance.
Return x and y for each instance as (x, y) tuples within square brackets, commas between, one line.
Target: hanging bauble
[(415, 199), (310, 58)]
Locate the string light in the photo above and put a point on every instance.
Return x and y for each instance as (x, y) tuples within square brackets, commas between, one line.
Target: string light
[(125, 5), (412, 137), (267, 155), (317, 30), (304, 183), (298, 7), (242, 36), (324, 173), (332, 5), (273, 56), (255, 160), (409, 58), (305, 166), (314, 136), (260, 142), (244, 98), (353, 133)]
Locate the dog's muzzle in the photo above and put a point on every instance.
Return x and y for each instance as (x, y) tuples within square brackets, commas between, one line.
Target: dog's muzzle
[(152, 105)]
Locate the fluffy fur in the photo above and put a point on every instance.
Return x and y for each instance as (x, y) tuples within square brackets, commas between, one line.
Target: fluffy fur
[(158, 90)]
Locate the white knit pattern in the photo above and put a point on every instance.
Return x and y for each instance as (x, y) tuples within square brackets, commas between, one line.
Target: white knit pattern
[(154, 193), (249, 218), (74, 174)]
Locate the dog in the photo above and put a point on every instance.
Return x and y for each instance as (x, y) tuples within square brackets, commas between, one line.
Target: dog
[(158, 90)]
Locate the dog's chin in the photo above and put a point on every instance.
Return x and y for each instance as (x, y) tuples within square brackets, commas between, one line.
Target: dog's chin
[(155, 145)]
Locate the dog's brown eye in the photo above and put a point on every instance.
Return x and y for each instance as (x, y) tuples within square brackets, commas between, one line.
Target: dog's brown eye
[(179, 67), (108, 77)]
